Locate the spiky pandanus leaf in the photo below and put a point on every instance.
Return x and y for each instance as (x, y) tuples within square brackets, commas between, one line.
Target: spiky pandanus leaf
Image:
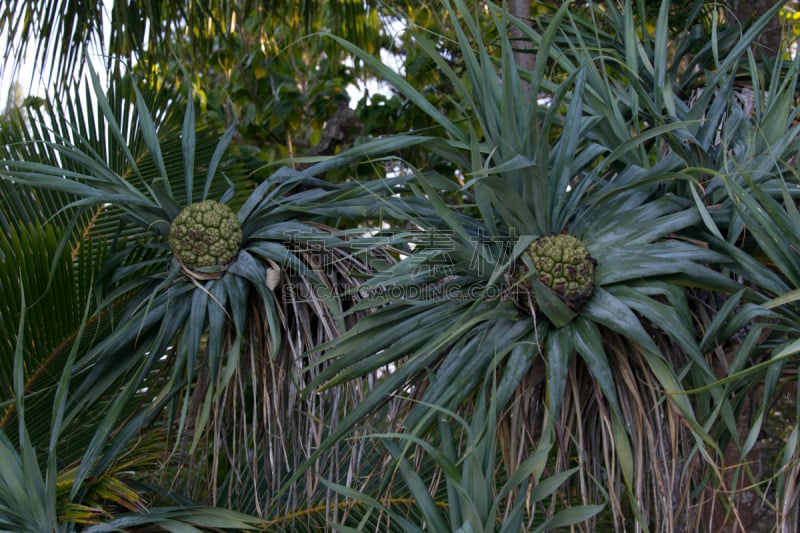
[(465, 453), (762, 361)]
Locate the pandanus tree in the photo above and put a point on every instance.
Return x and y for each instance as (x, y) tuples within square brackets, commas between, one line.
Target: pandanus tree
[(571, 301), (203, 313), (578, 260)]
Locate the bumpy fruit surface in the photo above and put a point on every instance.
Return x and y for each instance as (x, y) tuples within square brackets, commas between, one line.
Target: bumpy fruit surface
[(564, 266), (205, 234)]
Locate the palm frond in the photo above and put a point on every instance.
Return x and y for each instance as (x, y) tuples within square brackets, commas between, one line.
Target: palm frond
[(64, 35)]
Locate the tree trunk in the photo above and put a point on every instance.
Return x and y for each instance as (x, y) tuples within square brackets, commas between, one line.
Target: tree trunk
[(523, 47), (743, 10)]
